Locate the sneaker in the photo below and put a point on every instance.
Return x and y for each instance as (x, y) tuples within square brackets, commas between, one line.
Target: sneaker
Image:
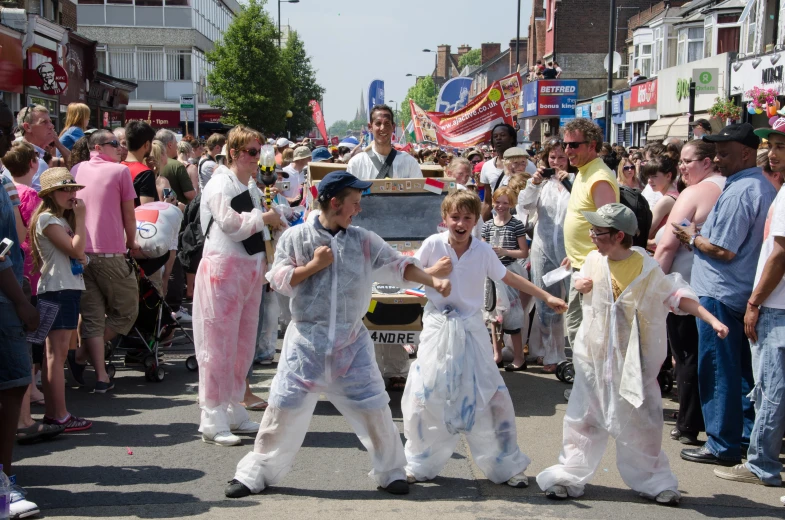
[(222, 439), (248, 426), (556, 492), (519, 481), (738, 473), (71, 423), (667, 498), (102, 388), (236, 489), (21, 507), (411, 479), (77, 370), (397, 487), (182, 315)]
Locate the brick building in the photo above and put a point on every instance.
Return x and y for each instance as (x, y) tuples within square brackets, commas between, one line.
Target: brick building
[(495, 64)]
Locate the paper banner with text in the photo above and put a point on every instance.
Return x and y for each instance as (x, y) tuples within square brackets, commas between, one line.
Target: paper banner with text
[(472, 124), (318, 118)]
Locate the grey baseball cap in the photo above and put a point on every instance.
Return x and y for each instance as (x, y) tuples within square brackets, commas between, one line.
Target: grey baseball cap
[(615, 215)]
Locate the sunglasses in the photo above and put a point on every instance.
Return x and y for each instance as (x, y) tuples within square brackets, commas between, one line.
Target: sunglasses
[(476, 161), (628, 168), (575, 144), (554, 142), (69, 189), (253, 152), (113, 144)]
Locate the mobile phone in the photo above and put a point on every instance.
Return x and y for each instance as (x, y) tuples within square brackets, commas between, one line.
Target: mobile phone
[(167, 192), (547, 173), (283, 185), (5, 244)]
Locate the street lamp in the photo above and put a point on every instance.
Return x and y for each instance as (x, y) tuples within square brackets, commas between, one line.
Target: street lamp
[(289, 116), (279, 16)]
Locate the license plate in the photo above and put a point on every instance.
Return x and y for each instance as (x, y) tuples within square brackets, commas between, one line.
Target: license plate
[(395, 337)]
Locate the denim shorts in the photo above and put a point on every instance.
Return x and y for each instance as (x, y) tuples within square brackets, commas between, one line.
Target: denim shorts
[(68, 315), (15, 365)]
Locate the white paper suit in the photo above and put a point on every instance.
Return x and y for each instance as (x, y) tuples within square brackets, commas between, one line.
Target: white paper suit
[(327, 349), (618, 353)]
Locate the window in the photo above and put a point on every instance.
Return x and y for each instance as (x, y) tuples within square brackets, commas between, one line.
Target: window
[(681, 46), (150, 63), (708, 39), (100, 58), (690, 45), (644, 59), (91, 2), (150, 3), (121, 62), (177, 3), (657, 64), (178, 65), (125, 2)]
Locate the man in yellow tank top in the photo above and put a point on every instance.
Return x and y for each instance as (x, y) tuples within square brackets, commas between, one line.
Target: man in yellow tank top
[(595, 185)]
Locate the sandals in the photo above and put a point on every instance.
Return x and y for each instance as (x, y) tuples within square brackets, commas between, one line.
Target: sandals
[(38, 432), (550, 369), (258, 406), (71, 423), (397, 384)]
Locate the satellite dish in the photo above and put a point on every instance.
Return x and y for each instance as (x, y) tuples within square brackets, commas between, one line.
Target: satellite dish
[(616, 62)]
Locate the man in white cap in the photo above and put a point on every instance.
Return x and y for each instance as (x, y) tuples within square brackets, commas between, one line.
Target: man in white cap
[(280, 145), (296, 171)]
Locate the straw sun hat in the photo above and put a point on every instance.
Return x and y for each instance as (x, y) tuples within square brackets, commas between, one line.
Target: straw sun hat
[(56, 178)]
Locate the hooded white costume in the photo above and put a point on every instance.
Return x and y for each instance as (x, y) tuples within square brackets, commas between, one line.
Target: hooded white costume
[(618, 352), (327, 349), (454, 386), (227, 294)]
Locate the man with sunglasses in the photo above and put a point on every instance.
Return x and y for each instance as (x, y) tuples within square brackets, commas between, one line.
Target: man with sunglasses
[(109, 301), (595, 186), (37, 129)]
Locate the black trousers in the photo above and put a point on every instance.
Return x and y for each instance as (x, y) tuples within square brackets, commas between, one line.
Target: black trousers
[(683, 338), (176, 289)]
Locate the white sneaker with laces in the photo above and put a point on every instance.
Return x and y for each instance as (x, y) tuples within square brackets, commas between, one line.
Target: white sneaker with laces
[(182, 315), (222, 439), (248, 426), (20, 507), (519, 481)]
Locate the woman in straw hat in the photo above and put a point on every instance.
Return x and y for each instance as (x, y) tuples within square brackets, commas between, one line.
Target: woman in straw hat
[(57, 230)]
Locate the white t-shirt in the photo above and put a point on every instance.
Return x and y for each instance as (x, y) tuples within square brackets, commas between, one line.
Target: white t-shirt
[(651, 196), (468, 273), (56, 272), (295, 181), (490, 173), (776, 225), (404, 166)]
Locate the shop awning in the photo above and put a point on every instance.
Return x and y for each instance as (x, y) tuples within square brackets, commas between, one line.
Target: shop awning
[(680, 128), (659, 129)]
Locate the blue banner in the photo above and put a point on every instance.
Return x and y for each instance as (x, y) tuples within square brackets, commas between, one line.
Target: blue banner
[(454, 95), (375, 94), (529, 100), (583, 111)]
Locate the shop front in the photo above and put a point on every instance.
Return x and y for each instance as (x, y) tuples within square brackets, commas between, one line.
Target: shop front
[(620, 105), (545, 104), (597, 110), (673, 106), (764, 72), (108, 99), (44, 76), (643, 111), (11, 67), (80, 66)]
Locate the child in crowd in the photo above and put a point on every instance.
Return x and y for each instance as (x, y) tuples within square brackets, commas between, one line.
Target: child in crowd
[(507, 237), (454, 386), (326, 266), (618, 351), (57, 229)]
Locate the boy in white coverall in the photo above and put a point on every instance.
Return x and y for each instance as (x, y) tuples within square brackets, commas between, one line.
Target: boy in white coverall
[(454, 386), (326, 267), (618, 352)]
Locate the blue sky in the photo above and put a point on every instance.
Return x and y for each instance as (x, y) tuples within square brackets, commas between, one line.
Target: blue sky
[(352, 42)]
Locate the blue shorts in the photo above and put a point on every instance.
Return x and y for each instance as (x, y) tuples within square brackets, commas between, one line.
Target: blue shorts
[(15, 364), (68, 315)]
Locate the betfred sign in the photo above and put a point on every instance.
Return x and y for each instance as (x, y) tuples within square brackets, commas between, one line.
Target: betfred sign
[(550, 98), (644, 95)]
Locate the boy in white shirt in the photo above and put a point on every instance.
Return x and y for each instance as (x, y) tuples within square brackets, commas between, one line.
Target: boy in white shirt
[(454, 386)]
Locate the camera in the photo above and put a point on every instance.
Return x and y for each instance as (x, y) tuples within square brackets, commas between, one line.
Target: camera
[(547, 173), (283, 185)]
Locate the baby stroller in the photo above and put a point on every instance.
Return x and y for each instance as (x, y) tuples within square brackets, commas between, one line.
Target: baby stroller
[(153, 325)]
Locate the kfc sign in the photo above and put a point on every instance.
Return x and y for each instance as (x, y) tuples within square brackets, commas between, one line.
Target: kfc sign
[(48, 77), (644, 95)]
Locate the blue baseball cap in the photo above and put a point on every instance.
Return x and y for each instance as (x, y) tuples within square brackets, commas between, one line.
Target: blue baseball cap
[(321, 154), (335, 181)]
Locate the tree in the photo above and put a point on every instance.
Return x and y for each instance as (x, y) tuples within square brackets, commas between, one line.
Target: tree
[(250, 79), (423, 93), (339, 128), (304, 86), (473, 57)]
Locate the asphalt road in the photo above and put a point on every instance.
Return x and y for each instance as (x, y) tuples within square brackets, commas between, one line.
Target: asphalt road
[(144, 458)]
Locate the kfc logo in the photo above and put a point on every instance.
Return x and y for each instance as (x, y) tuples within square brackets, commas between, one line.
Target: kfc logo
[(50, 78)]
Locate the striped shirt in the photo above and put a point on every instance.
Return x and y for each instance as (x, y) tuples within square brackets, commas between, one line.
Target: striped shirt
[(505, 236)]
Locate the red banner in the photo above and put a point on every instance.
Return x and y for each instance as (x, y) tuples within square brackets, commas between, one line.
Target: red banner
[(318, 118), (644, 95), (472, 124)]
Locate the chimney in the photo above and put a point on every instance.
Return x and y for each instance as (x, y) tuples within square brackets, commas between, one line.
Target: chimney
[(463, 49), (490, 51), (522, 52), (442, 61)]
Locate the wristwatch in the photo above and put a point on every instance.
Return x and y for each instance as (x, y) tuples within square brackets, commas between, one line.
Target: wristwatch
[(692, 240)]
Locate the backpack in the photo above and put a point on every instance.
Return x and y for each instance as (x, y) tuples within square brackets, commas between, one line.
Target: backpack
[(634, 200), (191, 240)]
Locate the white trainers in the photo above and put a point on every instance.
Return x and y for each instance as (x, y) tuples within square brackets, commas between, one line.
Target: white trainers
[(519, 481), (556, 492), (222, 439), (668, 498), (247, 427), (182, 315), (20, 507)]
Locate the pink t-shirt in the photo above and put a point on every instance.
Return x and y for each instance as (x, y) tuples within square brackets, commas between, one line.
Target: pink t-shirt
[(107, 185), (28, 202)]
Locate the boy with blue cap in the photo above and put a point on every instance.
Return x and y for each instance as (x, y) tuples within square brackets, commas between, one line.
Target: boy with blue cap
[(326, 266)]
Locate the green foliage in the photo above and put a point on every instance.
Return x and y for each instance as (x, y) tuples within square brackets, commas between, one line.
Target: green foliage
[(254, 81), (473, 57), (341, 127), (304, 86), (423, 93)]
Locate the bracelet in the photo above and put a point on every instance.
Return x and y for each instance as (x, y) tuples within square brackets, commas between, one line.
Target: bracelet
[(753, 305)]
